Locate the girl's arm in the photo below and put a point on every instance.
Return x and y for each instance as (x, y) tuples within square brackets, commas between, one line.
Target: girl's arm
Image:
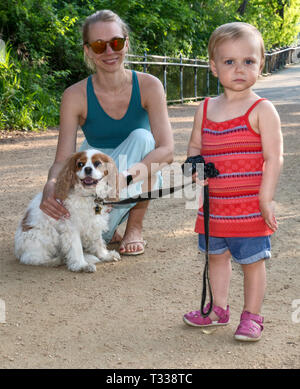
[(194, 146), (272, 144)]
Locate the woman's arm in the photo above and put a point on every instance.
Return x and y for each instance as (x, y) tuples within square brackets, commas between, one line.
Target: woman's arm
[(272, 144), (70, 112), (154, 102)]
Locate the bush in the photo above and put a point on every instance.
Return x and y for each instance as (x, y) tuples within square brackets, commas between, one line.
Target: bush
[(29, 94)]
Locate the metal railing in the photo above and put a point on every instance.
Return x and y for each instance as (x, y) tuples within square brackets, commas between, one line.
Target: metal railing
[(186, 79), (277, 59), (183, 78)]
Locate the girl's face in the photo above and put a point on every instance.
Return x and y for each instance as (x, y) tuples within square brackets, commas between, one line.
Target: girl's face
[(109, 60), (237, 63)]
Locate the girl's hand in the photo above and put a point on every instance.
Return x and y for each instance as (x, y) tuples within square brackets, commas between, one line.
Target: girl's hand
[(50, 205), (267, 209), (200, 183), (197, 181)]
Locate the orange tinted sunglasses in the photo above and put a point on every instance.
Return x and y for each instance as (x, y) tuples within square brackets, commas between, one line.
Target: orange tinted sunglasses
[(99, 46)]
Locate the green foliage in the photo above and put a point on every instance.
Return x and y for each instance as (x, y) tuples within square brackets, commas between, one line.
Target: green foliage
[(28, 98), (44, 49), (276, 19)]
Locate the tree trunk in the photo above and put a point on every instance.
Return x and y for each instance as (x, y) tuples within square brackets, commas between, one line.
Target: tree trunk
[(242, 8)]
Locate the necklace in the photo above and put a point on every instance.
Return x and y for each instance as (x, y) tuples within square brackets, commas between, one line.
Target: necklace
[(107, 86)]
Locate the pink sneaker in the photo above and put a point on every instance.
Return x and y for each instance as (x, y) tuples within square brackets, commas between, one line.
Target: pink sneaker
[(250, 327), (195, 318)]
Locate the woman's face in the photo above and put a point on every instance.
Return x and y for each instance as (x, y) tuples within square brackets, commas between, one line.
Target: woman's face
[(109, 60)]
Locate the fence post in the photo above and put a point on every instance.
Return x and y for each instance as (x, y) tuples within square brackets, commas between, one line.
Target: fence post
[(195, 80), (181, 80), (207, 82), (165, 76), (145, 62), (267, 64)]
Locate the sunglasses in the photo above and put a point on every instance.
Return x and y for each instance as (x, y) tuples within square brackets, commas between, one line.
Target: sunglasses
[(99, 46)]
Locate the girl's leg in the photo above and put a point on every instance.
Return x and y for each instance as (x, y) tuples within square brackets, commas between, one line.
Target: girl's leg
[(254, 286), (220, 275), (251, 324)]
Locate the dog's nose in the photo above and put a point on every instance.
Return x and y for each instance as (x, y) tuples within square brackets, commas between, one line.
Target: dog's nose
[(88, 170)]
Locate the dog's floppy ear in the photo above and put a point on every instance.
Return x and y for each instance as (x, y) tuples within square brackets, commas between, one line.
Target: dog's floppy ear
[(67, 177), (112, 177), (114, 194)]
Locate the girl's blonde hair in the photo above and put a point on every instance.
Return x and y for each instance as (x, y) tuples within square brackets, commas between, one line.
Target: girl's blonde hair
[(234, 31), (104, 15)]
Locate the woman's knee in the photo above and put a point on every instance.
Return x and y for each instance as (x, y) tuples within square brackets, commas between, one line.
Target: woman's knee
[(84, 146), (142, 137)]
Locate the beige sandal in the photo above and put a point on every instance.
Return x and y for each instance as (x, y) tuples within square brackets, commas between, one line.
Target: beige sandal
[(137, 252)]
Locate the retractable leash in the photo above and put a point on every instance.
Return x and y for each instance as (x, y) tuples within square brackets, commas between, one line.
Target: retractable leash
[(209, 172)]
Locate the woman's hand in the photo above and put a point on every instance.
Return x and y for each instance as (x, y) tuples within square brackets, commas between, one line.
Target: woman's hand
[(267, 211), (52, 206)]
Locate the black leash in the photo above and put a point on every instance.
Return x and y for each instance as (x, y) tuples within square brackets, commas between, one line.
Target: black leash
[(189, 168), (209, 172), (205, 280), (151, 195)]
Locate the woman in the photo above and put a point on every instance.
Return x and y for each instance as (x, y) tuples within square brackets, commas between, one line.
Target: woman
[(121, 112)]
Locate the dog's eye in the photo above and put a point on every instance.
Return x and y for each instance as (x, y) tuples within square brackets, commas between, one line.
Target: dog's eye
[(80, 164), (97, 163)]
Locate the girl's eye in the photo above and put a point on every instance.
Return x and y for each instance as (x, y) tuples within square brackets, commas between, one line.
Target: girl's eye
[(97, 163), (80, 164), (229, 62), (248, 62)]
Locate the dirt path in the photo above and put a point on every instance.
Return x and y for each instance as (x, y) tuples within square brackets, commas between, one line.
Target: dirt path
[(129, 314)]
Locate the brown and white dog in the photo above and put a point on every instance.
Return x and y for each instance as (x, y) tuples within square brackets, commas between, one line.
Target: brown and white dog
[(77, 240)]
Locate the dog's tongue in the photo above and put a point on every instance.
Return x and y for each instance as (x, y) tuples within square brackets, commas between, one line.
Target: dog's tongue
[(88, 181)]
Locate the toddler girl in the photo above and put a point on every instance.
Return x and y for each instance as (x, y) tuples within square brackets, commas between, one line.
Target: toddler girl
[(240, 133)]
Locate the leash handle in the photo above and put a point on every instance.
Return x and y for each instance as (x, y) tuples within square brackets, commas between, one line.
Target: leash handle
[(206, 281)]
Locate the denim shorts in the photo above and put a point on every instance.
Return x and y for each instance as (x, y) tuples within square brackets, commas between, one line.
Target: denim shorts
[(243, 250)]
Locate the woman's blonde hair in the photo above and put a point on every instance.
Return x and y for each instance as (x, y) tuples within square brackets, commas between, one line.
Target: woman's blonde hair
[(104, 15), (233, 31)]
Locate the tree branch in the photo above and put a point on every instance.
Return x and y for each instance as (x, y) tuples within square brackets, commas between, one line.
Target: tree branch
[(242, 8)]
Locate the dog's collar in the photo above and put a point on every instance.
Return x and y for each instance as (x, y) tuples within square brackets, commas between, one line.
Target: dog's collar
[(99, 205)]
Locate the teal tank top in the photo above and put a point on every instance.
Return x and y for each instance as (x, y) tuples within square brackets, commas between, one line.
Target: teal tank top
[(102, 131)]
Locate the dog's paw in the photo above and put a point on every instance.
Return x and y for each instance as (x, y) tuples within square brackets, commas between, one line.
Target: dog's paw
[(115, 256), (90, 268), (87, 268), (91, 258), (111, 255)]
